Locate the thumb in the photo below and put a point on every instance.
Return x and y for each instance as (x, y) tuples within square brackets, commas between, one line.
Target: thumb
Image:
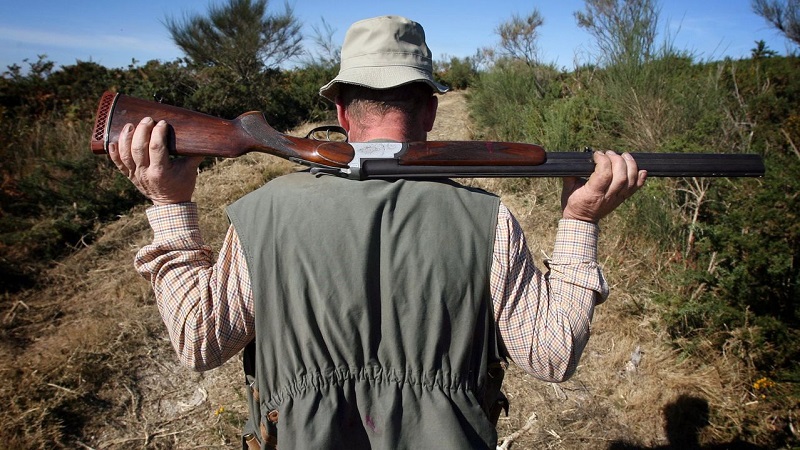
[(195, 161), (570, 185), (189, 164)]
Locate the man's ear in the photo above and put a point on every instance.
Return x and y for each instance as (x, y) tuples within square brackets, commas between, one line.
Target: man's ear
[(341, 114), (430, 113)]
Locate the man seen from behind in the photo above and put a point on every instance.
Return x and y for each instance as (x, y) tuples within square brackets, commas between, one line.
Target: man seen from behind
[(375, 308)]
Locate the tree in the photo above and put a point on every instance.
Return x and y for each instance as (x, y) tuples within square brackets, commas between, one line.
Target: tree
[(784, 15), (518, 37), (625, 30), (457, 73), (762, 51), (326, 53), (238, 36)]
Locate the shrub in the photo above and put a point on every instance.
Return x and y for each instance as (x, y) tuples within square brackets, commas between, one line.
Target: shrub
[(456, 73), (510, 100), (730, 281)]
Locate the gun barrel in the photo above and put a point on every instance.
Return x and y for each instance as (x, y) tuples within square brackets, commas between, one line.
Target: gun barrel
[(580, 164)]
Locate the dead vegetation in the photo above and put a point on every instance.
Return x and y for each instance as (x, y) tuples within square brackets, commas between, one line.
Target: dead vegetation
[(89, 364)]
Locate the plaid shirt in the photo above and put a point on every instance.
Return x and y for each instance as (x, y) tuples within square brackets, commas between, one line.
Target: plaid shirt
[(543, 319)]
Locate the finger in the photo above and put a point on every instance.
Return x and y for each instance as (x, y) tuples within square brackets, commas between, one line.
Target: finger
[(125, 163), (602, 176), (159, 146), (632, 169), (113, 155), (642, 177), (140, 145), (619, 169)]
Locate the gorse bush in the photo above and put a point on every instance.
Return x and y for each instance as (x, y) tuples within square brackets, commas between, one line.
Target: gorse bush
[(730, 273), (748, 239), (54, 192), (301, 97), (456, 73), (511, 101)]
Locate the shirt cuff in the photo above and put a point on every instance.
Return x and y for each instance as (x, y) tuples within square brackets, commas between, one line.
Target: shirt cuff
[(576, 242), (171, 221)]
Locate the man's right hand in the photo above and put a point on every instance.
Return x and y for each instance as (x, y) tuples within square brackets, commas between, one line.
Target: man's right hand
[(142, 155), (615, 179)]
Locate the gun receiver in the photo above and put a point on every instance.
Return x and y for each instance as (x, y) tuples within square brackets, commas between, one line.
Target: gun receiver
[(197, 134)]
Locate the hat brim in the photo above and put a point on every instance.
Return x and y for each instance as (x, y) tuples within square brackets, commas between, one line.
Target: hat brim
[(380, 78)]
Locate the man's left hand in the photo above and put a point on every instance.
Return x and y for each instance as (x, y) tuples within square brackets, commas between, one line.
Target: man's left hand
[(142, 155), (615, 179)]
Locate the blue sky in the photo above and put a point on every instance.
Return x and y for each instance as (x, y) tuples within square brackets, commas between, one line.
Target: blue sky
[(113, 33)]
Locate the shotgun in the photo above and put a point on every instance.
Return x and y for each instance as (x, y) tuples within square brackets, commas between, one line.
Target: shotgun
[(197, 134)]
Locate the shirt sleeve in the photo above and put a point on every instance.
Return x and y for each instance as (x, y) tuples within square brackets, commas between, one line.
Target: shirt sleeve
[(543, 319), (207, 306)]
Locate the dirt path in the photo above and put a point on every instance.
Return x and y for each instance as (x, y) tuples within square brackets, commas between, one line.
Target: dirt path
[(452, 119)]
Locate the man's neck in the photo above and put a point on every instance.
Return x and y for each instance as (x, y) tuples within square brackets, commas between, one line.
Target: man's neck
[(387, 133), (387, 127)]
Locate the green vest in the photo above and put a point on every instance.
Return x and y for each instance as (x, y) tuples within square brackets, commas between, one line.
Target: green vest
[(373, 315)]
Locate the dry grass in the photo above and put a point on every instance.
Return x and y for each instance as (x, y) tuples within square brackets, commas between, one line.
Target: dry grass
[(89, 364)]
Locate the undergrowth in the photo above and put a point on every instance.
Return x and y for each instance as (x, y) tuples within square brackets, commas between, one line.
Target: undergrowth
[(728, 273)]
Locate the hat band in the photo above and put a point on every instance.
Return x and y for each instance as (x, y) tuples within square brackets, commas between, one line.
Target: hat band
[(387, 59)]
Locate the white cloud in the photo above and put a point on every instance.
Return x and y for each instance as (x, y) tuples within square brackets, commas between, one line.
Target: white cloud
[(36, 37)]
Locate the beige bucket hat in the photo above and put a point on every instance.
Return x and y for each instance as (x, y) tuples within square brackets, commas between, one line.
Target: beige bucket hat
[(382, 53)]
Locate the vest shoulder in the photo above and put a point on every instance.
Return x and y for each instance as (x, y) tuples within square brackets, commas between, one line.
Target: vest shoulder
[(306, 179), (327, 188)]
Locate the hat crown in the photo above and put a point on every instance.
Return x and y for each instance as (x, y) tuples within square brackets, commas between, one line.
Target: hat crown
[(382, 53), (386, 41)]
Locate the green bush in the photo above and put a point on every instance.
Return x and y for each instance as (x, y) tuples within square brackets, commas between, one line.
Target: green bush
[(301, 100), (510, 102), (456, 73), (54, 210), (54, 192), (739, 282), (733, 270)]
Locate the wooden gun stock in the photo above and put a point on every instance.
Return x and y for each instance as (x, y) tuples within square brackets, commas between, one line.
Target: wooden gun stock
[(197, 134)]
